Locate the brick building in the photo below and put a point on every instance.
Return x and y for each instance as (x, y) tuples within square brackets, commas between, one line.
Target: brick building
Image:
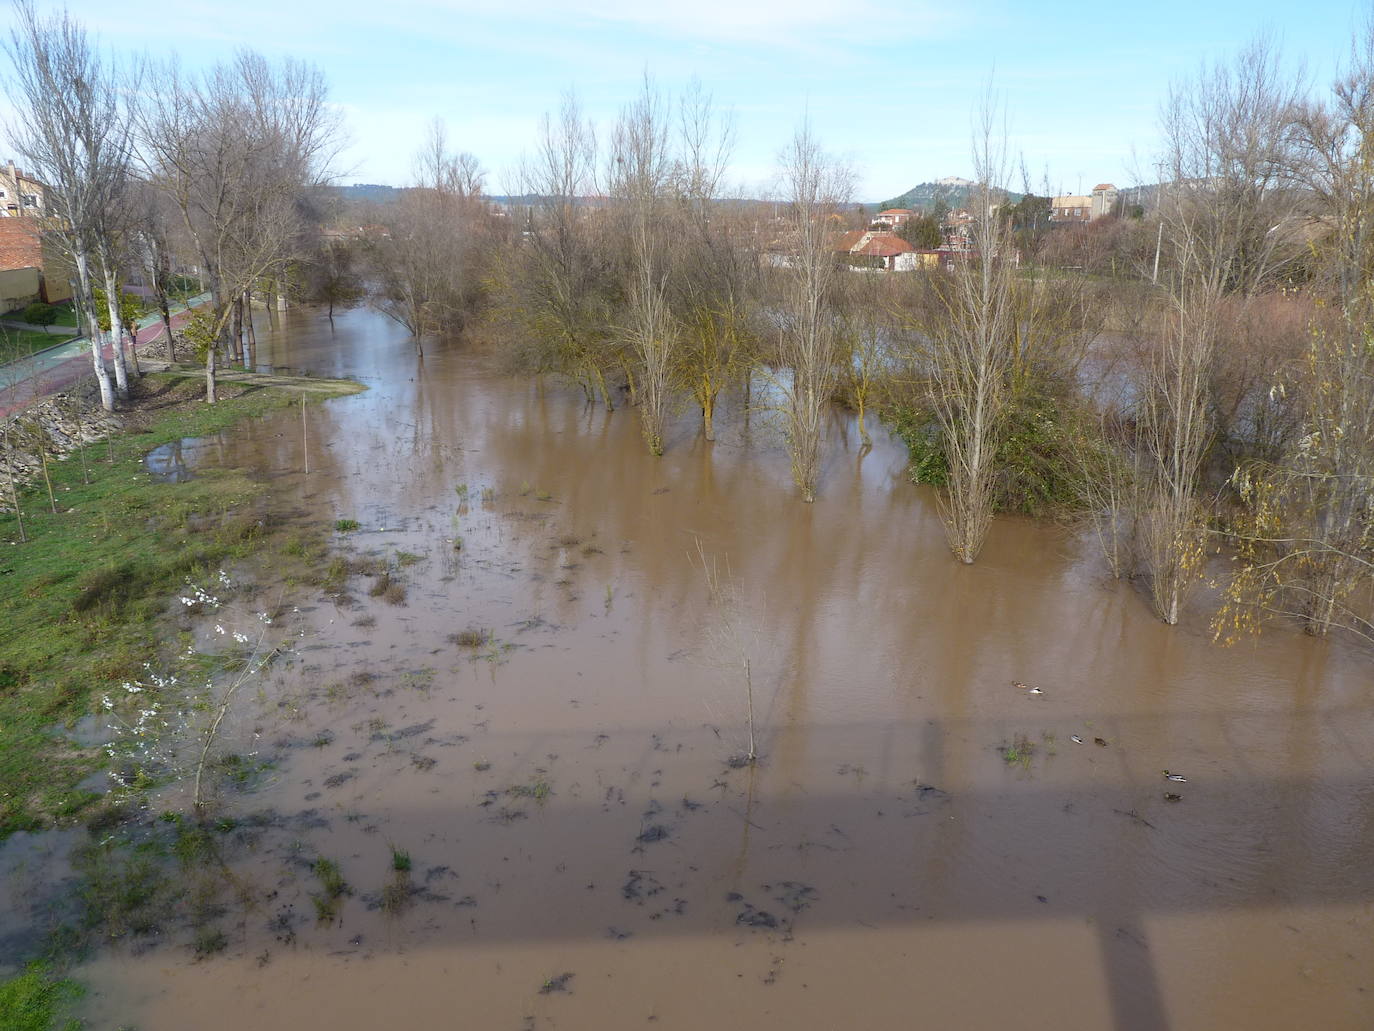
[(22, 245)]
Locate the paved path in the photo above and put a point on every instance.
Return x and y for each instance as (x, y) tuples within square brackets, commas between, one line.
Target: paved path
[(24, 381)]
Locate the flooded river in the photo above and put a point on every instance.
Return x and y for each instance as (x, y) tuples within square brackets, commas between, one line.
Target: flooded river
[(920, 844)]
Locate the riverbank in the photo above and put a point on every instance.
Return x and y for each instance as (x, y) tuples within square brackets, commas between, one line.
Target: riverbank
[(82, 588)]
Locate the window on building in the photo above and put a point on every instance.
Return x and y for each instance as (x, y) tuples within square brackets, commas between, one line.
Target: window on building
[(30, 199)]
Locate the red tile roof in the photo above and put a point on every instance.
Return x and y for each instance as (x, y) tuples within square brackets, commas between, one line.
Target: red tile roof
[(885, 245), (846, 241), (1103, 186)]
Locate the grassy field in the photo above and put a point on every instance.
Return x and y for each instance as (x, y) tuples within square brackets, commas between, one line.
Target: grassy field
[(81, 602), (19, 343)]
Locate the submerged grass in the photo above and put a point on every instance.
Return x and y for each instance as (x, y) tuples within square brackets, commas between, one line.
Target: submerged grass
[(80, 601), (1019, 752), (334, 888), (538, 789), (469, 638)]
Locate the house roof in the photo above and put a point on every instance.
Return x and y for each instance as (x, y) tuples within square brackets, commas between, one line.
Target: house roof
[(1103, 187), (846, 242), (896, 211), (1071, 202), (885, 245)]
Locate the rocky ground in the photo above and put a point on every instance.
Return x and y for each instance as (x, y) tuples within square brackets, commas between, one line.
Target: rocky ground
[(53, 428)]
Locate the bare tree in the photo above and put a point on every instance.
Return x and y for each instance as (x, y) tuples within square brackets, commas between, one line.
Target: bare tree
[(816, 186), (639, 178), (1306, 537), (73, 130), (973, 352), (1225, 205), (1174, 437), (236, 150), (152, 231), (334, 276), (426, 265), (713, 268), (556, 285), (865, 358), (1228, 205)]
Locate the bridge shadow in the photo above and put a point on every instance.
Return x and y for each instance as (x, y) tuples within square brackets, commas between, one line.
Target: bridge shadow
[(871, 825)]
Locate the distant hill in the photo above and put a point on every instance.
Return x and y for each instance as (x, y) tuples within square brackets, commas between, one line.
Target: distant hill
[(955, 192)]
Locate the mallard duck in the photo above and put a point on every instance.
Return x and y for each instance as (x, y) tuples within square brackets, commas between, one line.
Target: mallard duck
[(1101, 742), (1169, 796), (1177, 778), (1076, 739), (1026, 687)]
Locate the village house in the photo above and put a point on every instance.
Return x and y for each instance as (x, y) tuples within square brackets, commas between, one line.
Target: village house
[(1071, 208), (1086, 207), (957, 227), (877, 249), (893, 218), (20, 194)]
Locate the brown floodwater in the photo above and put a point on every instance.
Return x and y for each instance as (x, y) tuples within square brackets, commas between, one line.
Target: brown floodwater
[(584, 855)]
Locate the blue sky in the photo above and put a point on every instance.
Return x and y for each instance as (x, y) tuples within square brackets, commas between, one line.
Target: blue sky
[(888, 85)]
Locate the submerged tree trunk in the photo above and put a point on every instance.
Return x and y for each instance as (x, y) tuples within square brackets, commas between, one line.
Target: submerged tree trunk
[(236, 331), (251, 338)]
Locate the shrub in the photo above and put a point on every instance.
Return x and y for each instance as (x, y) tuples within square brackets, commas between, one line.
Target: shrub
[(40, 314)]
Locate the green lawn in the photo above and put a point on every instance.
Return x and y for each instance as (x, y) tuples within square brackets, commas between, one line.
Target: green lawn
[(18, 343)]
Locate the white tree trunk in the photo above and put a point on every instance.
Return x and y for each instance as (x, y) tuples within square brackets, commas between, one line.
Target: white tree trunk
[(102, 374), (116, 324)]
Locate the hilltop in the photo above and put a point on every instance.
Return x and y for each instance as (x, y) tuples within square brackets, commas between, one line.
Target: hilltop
[(951, 189)]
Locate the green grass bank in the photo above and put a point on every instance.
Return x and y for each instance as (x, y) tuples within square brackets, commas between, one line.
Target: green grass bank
[(82, 601)]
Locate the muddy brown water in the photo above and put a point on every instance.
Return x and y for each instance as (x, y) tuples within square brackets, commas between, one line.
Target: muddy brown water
[(883, 865)]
